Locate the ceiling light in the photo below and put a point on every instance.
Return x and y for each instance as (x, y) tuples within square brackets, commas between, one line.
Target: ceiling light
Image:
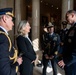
[(57, 8), (41, 1)]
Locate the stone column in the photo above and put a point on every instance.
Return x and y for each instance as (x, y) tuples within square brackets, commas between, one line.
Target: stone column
[(3, 3), (23, 9), (17, 14), (66, 5), (35, 23)]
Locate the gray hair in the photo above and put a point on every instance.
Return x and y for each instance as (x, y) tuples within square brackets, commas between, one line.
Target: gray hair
[(20, 27)]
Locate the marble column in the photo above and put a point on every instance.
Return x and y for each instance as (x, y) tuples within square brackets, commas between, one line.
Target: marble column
[(66, 5), (3, 3), (7, 4), (35, 23), (23, 9), (17, 14)]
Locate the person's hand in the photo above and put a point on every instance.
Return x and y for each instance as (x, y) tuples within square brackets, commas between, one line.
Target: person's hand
[(51, 57), (62, 43), (61, 64), (19, 60), (46, 56)]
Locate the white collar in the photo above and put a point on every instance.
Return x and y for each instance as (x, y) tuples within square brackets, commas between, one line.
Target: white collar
[(4, 29), (26, 36)]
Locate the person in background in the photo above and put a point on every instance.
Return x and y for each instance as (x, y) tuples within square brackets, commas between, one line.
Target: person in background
[(25, 47), (68, 61), (63, 33), (42, 43), (9, 61), (51, 45)]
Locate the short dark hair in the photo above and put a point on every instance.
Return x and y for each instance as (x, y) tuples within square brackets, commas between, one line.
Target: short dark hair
[(71, 11)]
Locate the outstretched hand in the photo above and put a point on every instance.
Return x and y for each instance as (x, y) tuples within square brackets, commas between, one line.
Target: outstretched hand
[(61, 63)]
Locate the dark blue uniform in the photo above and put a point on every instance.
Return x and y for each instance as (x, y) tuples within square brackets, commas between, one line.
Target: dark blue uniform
[(63, 33), (69, 51), (51, 45), (8, 65)]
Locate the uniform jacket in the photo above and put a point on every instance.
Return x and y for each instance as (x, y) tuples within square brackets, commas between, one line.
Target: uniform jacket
[(63, 34), (69, 51), (52, 44), (7, 66)]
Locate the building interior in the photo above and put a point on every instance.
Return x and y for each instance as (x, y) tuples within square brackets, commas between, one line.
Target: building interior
[(39, 13)]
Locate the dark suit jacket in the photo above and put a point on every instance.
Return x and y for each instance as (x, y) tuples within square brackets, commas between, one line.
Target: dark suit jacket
[(25, 47), (7, 67), (69, 52)]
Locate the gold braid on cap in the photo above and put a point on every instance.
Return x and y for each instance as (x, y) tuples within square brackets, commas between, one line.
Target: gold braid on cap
[(15, 51), (10, 13)]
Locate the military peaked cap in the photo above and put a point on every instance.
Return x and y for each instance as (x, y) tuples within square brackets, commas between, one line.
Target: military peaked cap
[(7, 11)]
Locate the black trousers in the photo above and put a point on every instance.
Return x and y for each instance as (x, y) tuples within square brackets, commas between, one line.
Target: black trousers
[(70, 70), (45, 64), (26, 69)]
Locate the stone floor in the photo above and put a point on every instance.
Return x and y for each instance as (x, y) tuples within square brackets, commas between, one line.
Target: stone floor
[(38, 71)]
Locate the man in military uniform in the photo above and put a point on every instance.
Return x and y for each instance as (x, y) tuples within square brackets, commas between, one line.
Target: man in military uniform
[(69, 52), (9, 61), (51, 45), (63, 33)]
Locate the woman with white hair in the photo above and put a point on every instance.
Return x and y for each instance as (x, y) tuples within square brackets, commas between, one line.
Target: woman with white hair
[(24, 45)]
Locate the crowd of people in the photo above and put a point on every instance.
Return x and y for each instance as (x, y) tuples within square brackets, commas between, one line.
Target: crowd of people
[(64, 45), (57, 48)]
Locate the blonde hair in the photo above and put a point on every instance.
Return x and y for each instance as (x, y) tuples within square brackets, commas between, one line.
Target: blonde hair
[(20, 30)]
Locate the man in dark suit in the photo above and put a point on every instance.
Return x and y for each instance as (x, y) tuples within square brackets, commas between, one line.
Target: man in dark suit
[(51, 45), (8, 55), (62, 34), (69, 51)]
